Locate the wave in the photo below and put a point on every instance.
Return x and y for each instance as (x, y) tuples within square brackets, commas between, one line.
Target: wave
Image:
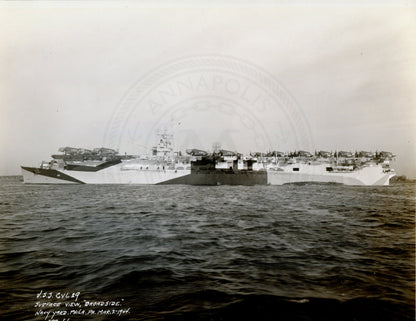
[(211, 305)]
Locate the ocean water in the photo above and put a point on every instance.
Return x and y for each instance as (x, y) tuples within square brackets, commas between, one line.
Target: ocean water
[(293, 252)]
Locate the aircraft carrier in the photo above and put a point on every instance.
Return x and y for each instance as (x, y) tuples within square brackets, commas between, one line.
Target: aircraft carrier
[(221, 167)]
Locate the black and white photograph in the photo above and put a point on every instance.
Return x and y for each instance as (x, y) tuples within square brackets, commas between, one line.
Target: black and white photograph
[(207, 160)]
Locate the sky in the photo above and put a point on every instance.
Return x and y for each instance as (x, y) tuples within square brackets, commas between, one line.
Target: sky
[(250, 77)]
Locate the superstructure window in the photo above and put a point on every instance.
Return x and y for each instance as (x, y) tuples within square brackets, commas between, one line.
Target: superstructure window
[(296, 169)]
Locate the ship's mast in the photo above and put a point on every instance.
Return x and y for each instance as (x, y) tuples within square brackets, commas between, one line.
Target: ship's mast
[(164, 146), (336, 156)]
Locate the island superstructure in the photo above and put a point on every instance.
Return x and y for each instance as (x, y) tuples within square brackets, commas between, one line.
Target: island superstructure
[(221, 167)]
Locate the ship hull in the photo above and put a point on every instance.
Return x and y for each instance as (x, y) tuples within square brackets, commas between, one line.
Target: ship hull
[(222, 177), (370, 175), (282, 178), (112, 175), (116, 175), (33, 175)]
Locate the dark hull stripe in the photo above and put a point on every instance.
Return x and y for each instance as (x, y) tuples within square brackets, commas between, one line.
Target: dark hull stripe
[(52, 173), (84, 168)]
